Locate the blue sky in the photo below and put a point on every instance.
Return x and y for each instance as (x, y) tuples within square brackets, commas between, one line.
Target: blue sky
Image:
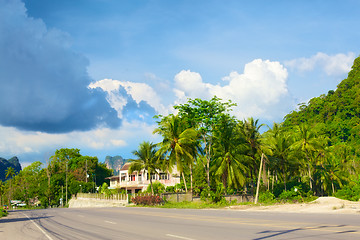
[(90, 74)]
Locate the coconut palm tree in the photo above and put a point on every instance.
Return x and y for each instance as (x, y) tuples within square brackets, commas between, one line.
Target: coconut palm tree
[(307, 143), (147, 159), (279, 143), (228, 149), (250, 131), (2, 188), (179, 144), (9, 173)]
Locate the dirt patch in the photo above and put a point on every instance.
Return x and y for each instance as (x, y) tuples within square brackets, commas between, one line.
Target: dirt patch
[(320, 205)]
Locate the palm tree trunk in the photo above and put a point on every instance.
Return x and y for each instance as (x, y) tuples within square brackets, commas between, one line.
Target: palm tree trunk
[(310, 182), (284, 178), (258, 182), (152, 190), (207, 153), (182, 173), (10, 193), (191, 179)]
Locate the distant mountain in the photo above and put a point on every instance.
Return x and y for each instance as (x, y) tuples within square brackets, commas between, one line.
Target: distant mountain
[(5, 164), (337, 113), (115, 163)]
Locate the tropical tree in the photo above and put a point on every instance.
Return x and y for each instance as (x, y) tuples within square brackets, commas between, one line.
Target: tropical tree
[(331, 173), (307, 143), (229, 153), (250, 131), (9, 173), (60, 162), (2, 190), (203, 115), (147, 159), (179, 144), (279, 142)]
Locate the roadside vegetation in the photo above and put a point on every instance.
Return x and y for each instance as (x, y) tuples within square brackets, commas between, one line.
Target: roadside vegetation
[(3, 213), (67, 173), (314, 152)]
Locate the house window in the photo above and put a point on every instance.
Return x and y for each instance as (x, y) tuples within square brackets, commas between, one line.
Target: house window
[(132, 178), (153, 176), (164, 176)]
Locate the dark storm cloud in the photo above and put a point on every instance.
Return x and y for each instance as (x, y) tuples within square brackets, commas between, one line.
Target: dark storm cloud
[(43, 83)]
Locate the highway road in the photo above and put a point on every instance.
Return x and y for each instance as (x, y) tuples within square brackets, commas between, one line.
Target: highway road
[(175, 224)]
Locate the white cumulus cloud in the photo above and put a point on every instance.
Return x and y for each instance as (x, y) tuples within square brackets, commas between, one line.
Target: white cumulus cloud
[(257, 92), (137, 91), (332, 65)]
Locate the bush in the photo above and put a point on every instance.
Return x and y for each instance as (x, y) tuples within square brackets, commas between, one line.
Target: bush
[(295, 194), (157, 187), (3, 213), (266, 197), (279, 188), (170, 189), (179, 187), (214, 196), (149, 200), (349, 193)]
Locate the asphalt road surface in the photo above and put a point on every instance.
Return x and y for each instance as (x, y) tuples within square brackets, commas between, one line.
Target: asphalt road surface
[(174, 224)]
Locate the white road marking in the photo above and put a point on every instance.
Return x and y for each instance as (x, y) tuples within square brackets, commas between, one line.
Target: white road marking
[(80, 215), (38, 227), (179, 237), (110, 222)]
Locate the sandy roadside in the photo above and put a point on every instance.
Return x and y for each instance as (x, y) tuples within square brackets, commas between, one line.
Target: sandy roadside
[(320, 205)]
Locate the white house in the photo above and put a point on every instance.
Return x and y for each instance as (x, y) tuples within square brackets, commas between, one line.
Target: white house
[(139, 181)]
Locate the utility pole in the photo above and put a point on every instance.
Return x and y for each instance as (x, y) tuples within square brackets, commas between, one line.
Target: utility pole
[(86, 175), (258, 182), (66, 194)]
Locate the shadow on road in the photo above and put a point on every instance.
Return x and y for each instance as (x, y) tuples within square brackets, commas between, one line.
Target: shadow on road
[(9, 220), (278, 233)]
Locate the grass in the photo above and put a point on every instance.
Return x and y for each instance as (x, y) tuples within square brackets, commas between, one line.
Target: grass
[(3, 213), (195, 205)]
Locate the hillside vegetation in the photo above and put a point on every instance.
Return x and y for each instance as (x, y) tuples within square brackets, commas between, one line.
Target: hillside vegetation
[(336, 114), (5, 164)]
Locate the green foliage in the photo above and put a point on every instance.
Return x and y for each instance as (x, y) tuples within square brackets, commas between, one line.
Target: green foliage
[(213, 196), (147, 159), (302, 187), (179, 144), (104, 187), (290, 195), (228, 153), (315, 150), (170, 189), (203, 116), (339, 111), (158, 188), (348, 192), (266, 197), (5, 164), (3, 213), (48, 185)]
